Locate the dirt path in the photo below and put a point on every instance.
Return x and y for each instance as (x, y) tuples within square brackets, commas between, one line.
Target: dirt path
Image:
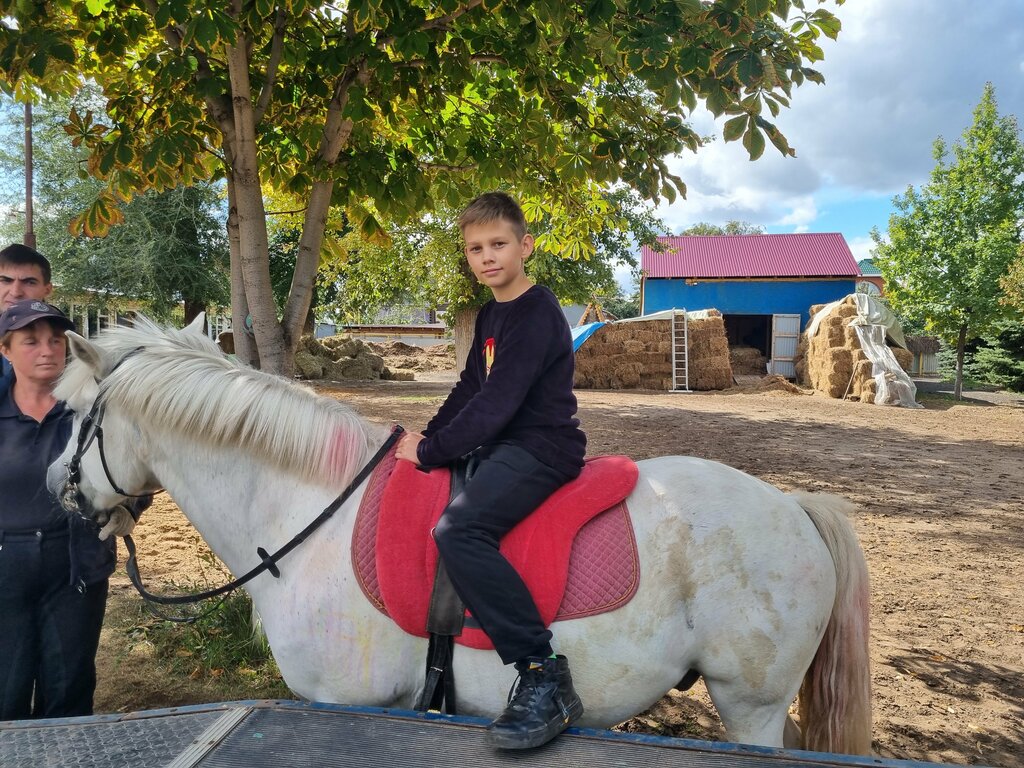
[(940, 515)]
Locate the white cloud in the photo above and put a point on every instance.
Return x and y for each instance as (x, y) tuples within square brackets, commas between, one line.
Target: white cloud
[(861, 247), (802, 214), (902, 73)]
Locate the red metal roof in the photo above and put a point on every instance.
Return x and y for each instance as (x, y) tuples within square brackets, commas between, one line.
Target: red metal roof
[(817, 254)]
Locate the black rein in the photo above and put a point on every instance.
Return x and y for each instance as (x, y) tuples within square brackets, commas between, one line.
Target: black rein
[(269, 562)]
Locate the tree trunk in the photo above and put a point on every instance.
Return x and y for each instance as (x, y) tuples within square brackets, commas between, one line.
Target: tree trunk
[(275, 355), (961, 342), (465, 326), (337, 132), (244, 346), (307, 261), (192, 310), (30, 232)]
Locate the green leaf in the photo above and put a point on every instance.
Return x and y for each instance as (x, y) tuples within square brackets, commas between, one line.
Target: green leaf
[(125, 155), (813, 75), (780, 142), (63, 52), (750, 70), (107, 160), (599, 11), (37, 64), (753, 141), (733, 128), (760, 7)]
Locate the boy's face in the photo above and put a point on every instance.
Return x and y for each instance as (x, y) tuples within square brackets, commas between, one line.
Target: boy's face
[(497, 257), (22, 281)]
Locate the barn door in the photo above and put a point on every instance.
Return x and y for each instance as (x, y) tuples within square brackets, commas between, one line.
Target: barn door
[(785, 337)]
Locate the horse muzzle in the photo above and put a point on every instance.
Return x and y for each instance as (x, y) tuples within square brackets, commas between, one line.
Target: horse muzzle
[(73, 501)]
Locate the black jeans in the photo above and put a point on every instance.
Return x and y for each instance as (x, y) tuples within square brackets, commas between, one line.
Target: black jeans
[(508, 484), (49, 630)]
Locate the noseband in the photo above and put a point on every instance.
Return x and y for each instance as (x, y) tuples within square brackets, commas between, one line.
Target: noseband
[(92, 431)]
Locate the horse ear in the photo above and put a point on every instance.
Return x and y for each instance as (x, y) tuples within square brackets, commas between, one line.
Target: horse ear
[(86, 351), (197, 325)]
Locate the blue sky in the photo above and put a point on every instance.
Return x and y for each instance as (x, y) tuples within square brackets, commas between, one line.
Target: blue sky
[(902, 73)]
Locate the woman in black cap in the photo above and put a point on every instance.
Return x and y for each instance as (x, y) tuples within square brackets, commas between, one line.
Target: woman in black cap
[(54, 567)]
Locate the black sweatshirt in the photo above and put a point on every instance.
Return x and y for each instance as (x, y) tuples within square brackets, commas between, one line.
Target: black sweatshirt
[(516, 387)]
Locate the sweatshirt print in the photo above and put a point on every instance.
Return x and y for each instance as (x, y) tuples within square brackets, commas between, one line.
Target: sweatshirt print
[(516, 387)]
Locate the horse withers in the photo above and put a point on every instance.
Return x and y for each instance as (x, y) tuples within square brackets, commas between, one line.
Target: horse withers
[(762, 593)]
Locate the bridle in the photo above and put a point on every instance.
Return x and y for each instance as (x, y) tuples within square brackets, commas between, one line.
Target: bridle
[(89, 432)]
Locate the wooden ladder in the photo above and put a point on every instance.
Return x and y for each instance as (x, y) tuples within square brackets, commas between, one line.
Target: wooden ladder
[(680, 351)]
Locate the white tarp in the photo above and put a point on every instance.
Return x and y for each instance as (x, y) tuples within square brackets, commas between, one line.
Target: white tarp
[(666, 314), (870, 311), (892, 384), (874, 321)]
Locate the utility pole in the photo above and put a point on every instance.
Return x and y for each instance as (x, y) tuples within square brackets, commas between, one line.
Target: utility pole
[(30, 233)]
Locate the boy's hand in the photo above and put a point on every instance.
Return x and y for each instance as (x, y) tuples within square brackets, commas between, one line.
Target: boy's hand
[(407, 444)]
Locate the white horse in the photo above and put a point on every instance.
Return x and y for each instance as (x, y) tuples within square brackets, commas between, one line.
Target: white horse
[(764, 594)]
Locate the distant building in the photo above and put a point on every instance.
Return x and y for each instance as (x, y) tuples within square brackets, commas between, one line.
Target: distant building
[(871, 280), (764, 285)]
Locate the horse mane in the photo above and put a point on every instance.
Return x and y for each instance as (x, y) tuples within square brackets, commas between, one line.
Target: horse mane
[(180, 381)]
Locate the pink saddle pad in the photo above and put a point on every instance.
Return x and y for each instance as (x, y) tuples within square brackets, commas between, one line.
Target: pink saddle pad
[(577, 552)]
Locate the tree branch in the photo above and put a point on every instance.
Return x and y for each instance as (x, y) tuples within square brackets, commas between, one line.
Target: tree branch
[(276, 51), (288, 213), (442, 22), (481, 58), (219, 108), (448, 167)]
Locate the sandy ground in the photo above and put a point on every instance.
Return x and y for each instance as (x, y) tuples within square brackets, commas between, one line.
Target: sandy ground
[(940, 516)]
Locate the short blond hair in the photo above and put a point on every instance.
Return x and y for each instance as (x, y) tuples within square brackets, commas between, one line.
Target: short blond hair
[(491, 206)]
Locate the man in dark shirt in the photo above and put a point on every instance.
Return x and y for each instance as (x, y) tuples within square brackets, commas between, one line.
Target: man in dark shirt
[(513, 409), (24, 274)]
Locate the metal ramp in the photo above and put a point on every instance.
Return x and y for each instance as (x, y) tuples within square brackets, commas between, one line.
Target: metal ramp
[(680, 351), (256, 734)]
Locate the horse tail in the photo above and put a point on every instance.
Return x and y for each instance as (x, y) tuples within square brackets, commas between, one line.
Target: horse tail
[(835, 696)]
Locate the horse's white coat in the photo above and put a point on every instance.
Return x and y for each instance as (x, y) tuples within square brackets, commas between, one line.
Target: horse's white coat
[(736, 581)]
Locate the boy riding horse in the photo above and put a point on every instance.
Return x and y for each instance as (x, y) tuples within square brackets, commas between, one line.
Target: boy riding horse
[(513, 409)]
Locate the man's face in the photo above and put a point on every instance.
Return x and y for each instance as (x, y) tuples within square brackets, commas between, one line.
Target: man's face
[(22, 281)]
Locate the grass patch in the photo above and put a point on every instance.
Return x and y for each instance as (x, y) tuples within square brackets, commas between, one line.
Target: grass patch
[(944, 398), (223, 648)]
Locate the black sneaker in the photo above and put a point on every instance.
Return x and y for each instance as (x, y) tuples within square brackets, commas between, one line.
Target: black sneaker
[(541, 705)]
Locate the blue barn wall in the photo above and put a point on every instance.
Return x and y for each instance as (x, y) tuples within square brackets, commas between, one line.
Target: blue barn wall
[(744, 297)]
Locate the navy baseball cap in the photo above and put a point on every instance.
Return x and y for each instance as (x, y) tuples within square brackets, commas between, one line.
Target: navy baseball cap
[(27, 311)]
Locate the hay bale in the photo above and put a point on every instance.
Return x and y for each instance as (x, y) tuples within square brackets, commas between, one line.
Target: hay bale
[(389, 375), (639, 354), (309, 366), (747, 361), (833, 361), (904, 357), (771, 383), (313, 346)]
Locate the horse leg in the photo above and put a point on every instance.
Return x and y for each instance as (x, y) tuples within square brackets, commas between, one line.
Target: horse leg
[(748, 717)]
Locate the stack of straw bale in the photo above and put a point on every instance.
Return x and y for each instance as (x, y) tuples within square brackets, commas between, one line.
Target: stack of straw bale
[(340, 357), (747, 361), (833, 361), (638, 355)]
